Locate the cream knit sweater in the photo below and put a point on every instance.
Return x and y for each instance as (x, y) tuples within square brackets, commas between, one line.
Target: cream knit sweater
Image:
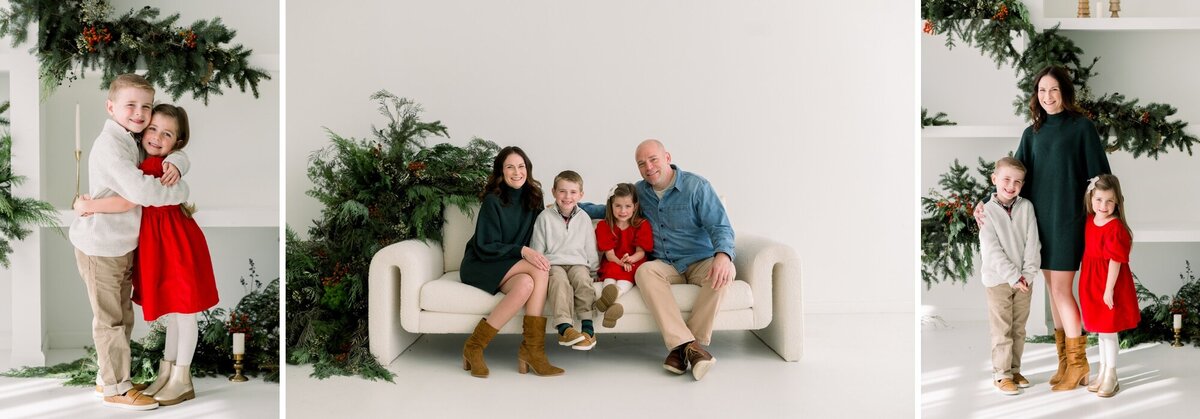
[(113, 170), (566, 244), (1009, 247)]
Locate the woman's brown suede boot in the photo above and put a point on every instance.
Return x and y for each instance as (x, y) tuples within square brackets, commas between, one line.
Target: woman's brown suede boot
[(1077, 370), (532, 353), (473, 349), (1059, 343)]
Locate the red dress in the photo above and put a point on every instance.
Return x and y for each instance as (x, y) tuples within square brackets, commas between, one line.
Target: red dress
[(623, 242), (1102, 244), (174, 271)]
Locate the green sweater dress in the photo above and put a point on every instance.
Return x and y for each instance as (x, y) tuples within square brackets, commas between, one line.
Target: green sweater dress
[(1060, 158), (500, 233)]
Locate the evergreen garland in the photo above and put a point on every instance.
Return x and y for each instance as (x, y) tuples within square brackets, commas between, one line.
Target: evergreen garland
[(992, 26), (376, 192), (940, 119), (949, 234), (257, 315), (179, 59), (17, 215)]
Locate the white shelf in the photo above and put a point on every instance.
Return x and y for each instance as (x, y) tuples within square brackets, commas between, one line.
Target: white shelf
[(213, 217), (973, 131), (1120, 24), (1166, 232)]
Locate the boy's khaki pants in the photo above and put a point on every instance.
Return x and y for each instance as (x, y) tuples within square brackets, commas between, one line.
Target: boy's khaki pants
[(109, 282), (1008, 310), (570, 287), (655, 277)]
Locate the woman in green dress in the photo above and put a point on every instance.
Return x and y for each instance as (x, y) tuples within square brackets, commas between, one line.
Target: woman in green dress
[(1061, 151), (498, 259)]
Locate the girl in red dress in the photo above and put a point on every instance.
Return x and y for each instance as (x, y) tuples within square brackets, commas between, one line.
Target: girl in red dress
[(173, 278), (1106, 292), (625, 238)]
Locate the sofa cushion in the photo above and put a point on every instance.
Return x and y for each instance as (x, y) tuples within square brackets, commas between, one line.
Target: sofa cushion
[(449, 295)]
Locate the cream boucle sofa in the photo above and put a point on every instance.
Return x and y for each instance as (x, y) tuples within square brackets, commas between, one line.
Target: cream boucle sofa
[(414, 288)]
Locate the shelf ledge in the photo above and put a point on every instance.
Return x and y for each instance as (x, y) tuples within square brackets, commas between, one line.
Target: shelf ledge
[(1120, 24)]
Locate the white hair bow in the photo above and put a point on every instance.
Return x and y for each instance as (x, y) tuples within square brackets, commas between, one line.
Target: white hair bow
[(1092, 183)]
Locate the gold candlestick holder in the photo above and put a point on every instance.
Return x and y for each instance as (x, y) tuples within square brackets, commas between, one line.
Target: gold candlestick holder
[(1177, 344), (237, 368)]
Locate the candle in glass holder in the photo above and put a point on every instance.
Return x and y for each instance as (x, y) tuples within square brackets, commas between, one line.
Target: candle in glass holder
[(239, 343), (1178, 321)]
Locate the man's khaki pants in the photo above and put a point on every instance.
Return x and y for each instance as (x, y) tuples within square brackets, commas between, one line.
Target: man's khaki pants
[(1008, 310), (654, 278), (570, 287), (109, 282)]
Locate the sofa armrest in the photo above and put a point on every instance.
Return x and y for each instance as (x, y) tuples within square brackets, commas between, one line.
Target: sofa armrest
[(773, 271), (393, 286)]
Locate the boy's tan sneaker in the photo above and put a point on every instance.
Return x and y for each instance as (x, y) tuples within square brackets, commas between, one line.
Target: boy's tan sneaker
[(1020, 380), (99, 393), (131, 400), (571, 337), (586, 344), (1007, 386)]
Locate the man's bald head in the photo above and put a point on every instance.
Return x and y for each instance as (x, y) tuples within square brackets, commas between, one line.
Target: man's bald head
[(654, 163)]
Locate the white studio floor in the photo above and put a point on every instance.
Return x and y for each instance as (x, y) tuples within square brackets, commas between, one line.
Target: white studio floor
[(1156, 380), (854, 365), (216, 397)]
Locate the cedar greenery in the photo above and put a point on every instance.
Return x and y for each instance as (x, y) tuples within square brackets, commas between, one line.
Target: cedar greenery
[(257, 314), (180, 59), (17, 215), (949, 234), (993, 25), (939, 119), (376, 192)]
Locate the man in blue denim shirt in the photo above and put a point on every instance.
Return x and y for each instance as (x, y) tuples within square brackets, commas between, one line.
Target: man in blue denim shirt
[(693, 244)]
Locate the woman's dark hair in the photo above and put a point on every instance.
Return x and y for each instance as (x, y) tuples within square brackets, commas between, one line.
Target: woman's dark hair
[(533, 189), (181, 121), (1065, 87)]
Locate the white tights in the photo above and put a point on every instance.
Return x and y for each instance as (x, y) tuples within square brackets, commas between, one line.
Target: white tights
[(1108, 350), (622, 286), (182, 333)]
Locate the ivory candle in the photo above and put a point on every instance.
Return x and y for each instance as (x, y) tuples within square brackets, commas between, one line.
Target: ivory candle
[(239, 343), (77, 127), (1178, 321)]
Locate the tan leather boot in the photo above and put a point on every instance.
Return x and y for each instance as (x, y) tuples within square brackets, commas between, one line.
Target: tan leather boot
[(1108, 384), (1077, 365), (178, 387), (164, 372), (1059, 342), (473, 349), (532, 353)]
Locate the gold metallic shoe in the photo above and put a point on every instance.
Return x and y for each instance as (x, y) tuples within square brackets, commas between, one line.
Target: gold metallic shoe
[(178, 388), (164, 372), (1108, 385)]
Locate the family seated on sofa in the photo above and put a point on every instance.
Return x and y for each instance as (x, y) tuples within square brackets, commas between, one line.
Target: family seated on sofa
[(669, 228)]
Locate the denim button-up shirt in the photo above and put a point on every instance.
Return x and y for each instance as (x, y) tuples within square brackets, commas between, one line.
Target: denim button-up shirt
[(689, 222)]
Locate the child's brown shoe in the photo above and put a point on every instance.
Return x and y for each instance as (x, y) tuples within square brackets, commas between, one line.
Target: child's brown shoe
[(608, 296), (131, 400), (1020, 380), (613, 313), (571, 337), (586, 344), (1007, 386)]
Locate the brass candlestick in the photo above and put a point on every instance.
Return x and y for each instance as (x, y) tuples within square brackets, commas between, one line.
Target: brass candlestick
[(1084, 10), (237, 368), (1114, 6), (1177, 344)]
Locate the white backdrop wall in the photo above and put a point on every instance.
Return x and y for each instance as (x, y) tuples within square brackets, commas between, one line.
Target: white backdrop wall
[(803, 133), (1144, 65), (235, 165)]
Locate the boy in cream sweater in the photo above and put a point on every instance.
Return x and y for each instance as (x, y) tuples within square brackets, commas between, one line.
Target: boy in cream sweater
[(105, 243), (564, 233), (1011, 254)]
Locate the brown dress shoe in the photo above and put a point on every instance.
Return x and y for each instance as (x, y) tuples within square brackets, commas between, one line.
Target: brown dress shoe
[(1007, 386), (700, 359), (131, 400), (676, 360), (99, 393)]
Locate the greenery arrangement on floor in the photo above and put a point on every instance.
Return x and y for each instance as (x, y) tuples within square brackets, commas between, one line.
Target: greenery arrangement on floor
[(939, 119), (993, 26), (17, 215), (376, 192), (180, 59), (1158, 316), (256, 314)]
